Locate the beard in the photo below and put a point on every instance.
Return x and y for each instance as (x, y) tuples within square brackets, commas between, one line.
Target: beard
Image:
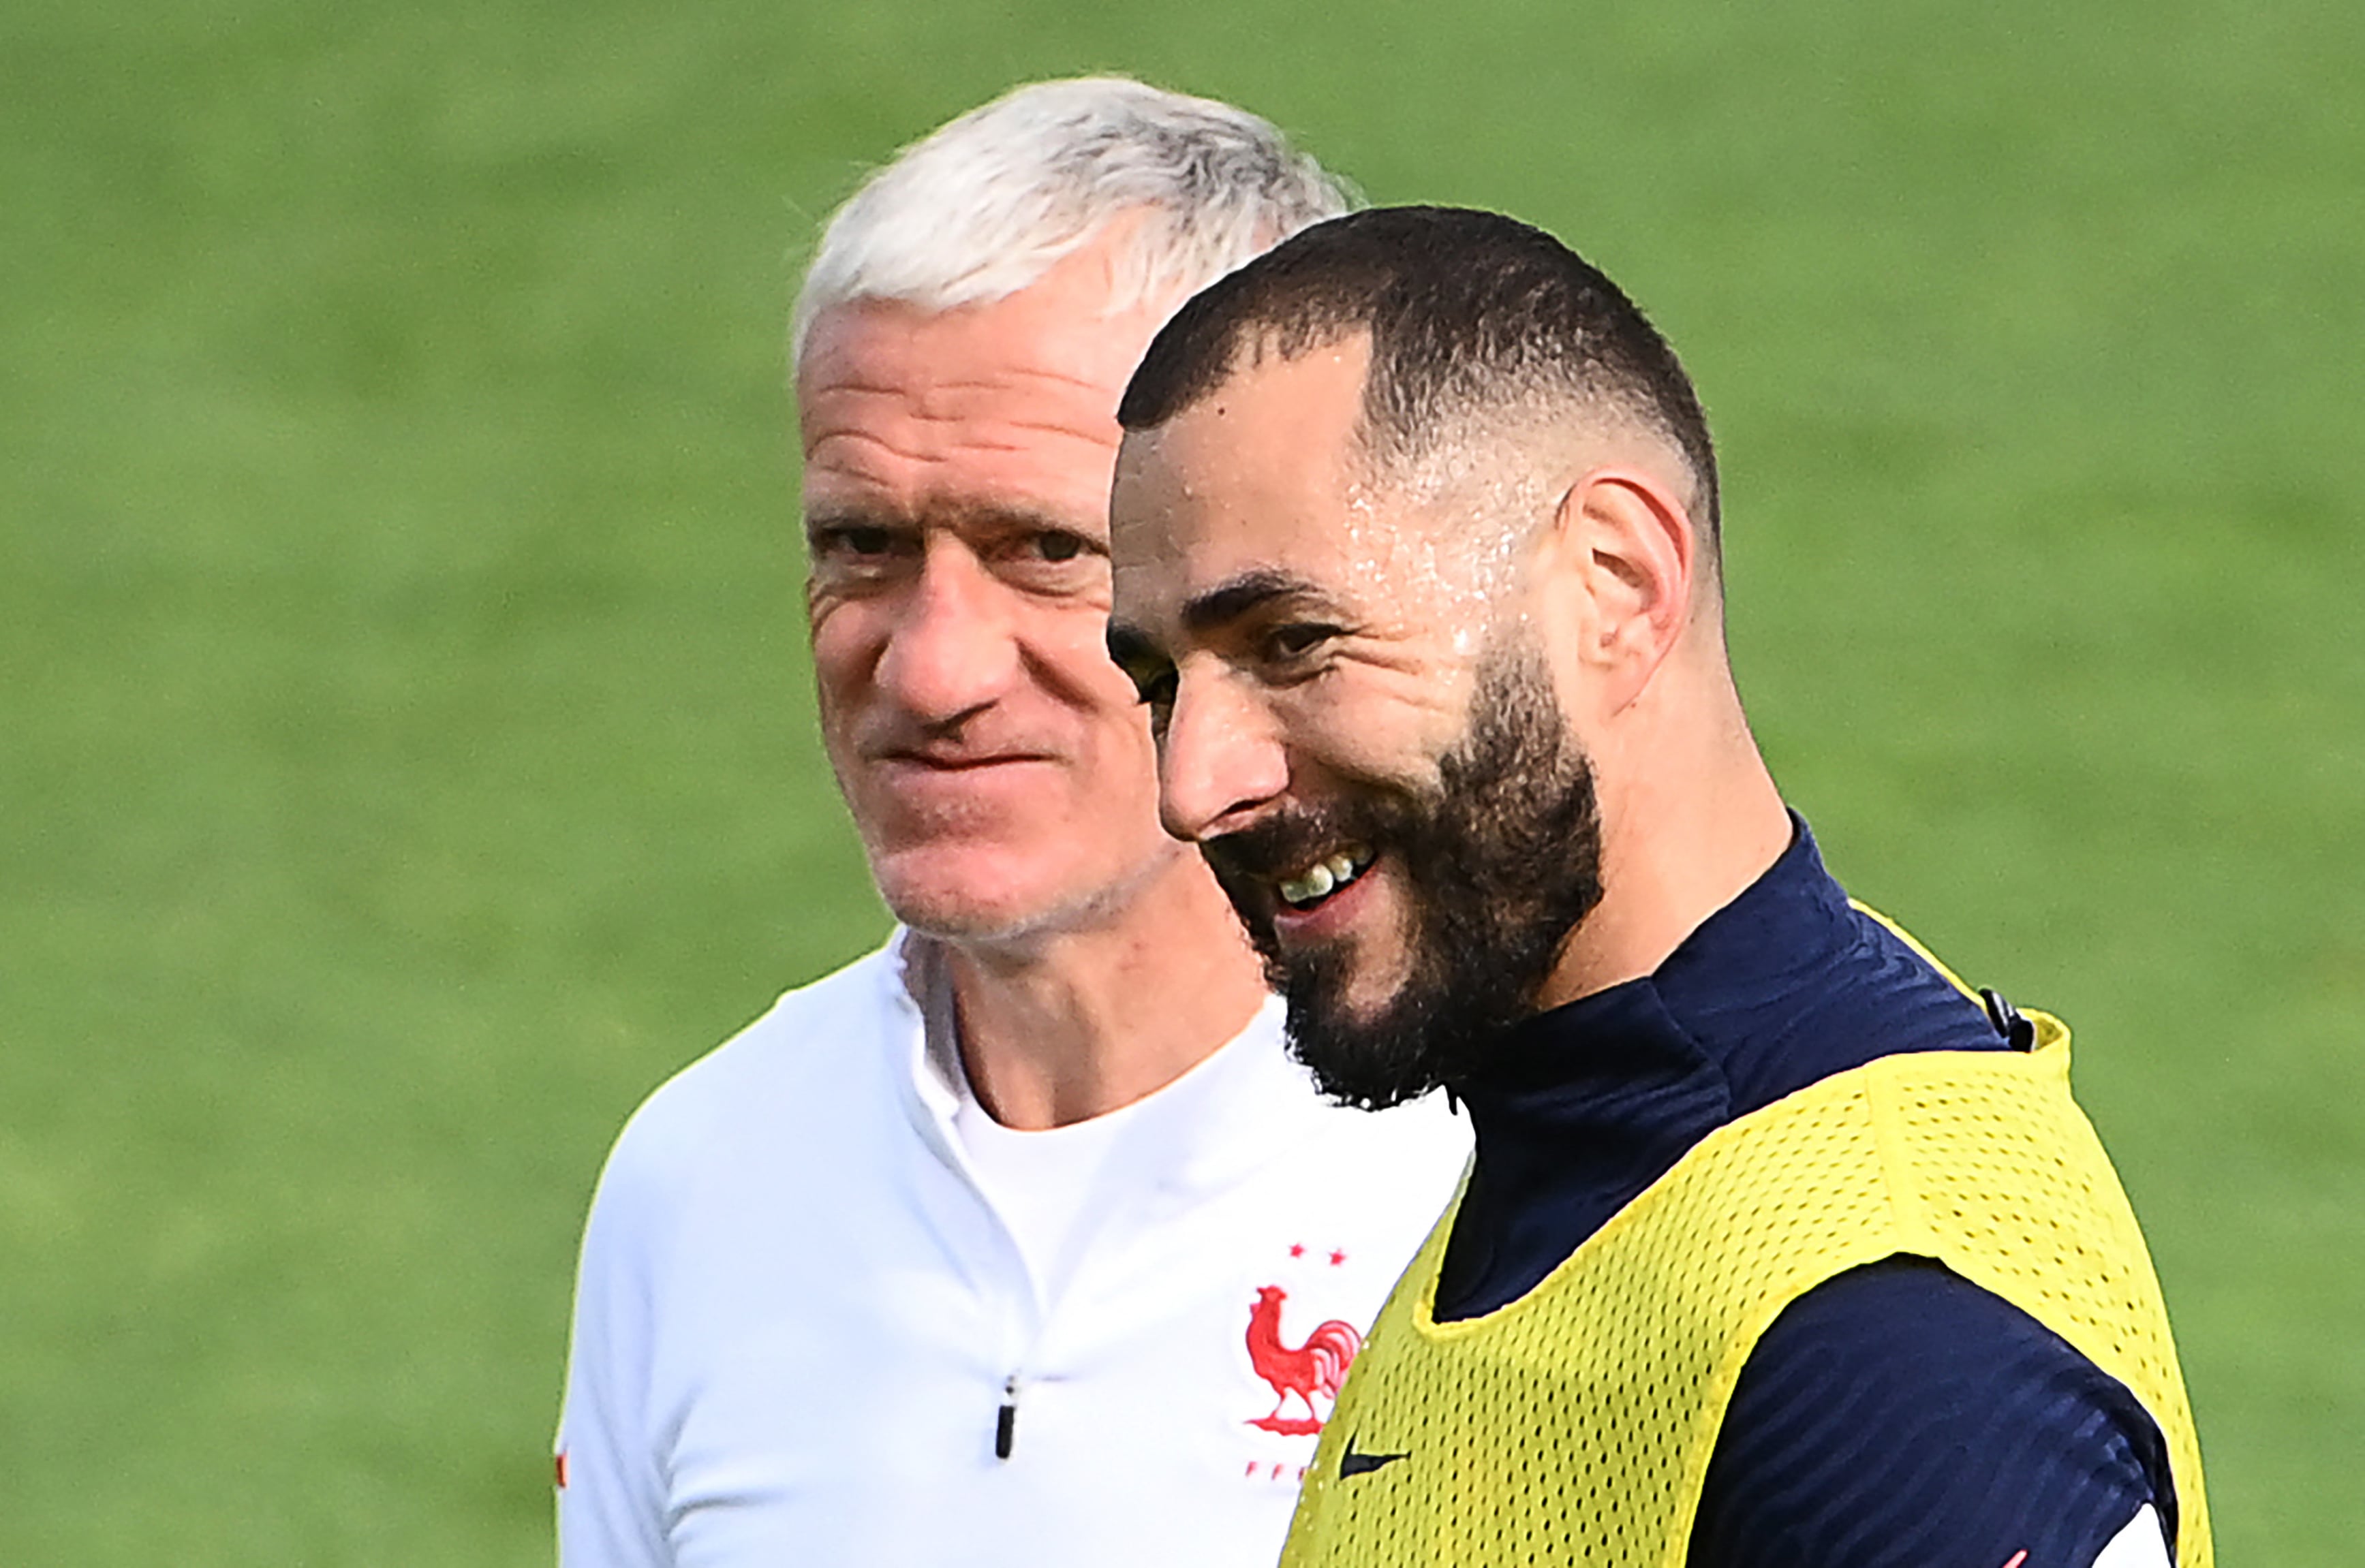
[(1501, 864)]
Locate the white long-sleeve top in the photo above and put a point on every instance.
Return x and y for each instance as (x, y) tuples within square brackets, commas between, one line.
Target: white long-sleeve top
[(800, 1314)]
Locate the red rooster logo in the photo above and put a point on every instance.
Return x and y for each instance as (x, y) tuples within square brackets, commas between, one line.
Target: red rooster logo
[(1319, 1366)]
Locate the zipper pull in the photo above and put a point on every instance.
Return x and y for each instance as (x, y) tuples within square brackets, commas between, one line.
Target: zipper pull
[(1005, 1420)]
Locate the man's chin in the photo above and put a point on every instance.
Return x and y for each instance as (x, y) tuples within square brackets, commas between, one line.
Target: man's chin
[(983, 894), (967, 898), (1361, 1006), (1365, 1043), (1370, 1071)]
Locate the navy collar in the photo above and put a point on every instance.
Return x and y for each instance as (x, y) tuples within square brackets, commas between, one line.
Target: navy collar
[(1582, 1107), (1696, 1008)]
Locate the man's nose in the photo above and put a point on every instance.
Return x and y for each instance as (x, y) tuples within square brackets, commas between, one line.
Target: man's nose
[(1220, 759), (953, 646)]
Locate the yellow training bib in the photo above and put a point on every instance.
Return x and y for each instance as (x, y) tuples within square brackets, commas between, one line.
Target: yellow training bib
[(1575, 1425)]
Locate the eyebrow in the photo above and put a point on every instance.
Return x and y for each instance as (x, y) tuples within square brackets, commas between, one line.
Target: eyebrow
[(1229, 600), (955, 516)]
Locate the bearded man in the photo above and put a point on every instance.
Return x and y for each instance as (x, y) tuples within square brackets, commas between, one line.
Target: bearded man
[(1020, 1241), (1781, 1246)]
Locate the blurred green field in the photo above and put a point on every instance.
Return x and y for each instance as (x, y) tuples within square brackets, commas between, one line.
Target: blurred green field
[(406, 754)]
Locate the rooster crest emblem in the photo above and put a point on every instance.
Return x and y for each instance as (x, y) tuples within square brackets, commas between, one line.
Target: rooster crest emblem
[(1319, 1366)]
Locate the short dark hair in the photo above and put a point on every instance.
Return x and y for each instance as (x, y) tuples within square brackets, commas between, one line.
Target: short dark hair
[(1468, 311)]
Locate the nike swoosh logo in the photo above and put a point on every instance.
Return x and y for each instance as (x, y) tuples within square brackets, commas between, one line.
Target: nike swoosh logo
[(1353, 1464)]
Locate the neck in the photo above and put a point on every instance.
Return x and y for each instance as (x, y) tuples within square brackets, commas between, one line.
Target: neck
[(1690, 818), (1061, 1026)]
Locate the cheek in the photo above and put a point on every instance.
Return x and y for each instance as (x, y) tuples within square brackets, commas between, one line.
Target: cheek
[(846, 637), (846, 634), (1068, 647), (1116, 784), (1383, 736)]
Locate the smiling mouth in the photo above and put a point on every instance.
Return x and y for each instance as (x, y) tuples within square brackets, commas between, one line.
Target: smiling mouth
[(1316, 883), (956, 762)]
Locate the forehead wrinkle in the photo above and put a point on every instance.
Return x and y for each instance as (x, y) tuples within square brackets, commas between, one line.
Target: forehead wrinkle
[(954, 514), (992, 412), (867, 378), (916, 452), (947, 401)]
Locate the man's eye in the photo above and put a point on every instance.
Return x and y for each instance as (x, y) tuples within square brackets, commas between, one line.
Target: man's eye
[(858, 540), (1057, 545), (1297, 639)]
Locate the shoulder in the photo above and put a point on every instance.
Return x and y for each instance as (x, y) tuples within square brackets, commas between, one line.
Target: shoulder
[(801, 1060), (1407, 1148), (1418, 1137), (1900, 1414), (1396, 1168)]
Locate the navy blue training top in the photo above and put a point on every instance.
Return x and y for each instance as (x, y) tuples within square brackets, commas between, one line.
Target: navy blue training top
[(1896, 1416)]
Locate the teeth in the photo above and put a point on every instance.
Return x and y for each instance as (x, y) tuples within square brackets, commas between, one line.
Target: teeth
[(1323, 877), (1314, 884)]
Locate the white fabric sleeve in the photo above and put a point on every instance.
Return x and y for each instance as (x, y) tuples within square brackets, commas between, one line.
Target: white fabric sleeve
[(2143, 1544), (612, 1495)]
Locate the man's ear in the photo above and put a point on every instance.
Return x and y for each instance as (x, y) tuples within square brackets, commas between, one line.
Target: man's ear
[(1623, 555)]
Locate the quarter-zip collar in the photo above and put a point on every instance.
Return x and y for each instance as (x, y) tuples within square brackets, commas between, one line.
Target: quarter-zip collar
[(1584, 1106)]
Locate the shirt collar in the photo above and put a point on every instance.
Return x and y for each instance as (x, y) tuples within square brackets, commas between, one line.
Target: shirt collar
[(1781, 928), (1215, 1124)]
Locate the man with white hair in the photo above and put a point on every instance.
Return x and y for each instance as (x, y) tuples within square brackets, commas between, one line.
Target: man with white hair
[(1020, 1241)]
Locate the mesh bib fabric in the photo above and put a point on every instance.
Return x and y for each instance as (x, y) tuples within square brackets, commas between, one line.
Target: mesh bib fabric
[(1575, 1425)]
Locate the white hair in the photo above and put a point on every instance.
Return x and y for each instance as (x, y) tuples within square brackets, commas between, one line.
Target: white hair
[(992, 201)]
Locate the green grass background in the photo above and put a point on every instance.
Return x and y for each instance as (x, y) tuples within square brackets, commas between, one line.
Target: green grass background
[(406, 752)]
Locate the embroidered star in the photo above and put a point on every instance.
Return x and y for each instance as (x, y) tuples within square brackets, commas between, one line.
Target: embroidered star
[(1338, 1256), (1297, 1250)]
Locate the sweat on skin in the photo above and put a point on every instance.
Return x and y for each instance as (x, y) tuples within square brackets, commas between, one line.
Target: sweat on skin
[(1288, 602), (1306, 622)]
